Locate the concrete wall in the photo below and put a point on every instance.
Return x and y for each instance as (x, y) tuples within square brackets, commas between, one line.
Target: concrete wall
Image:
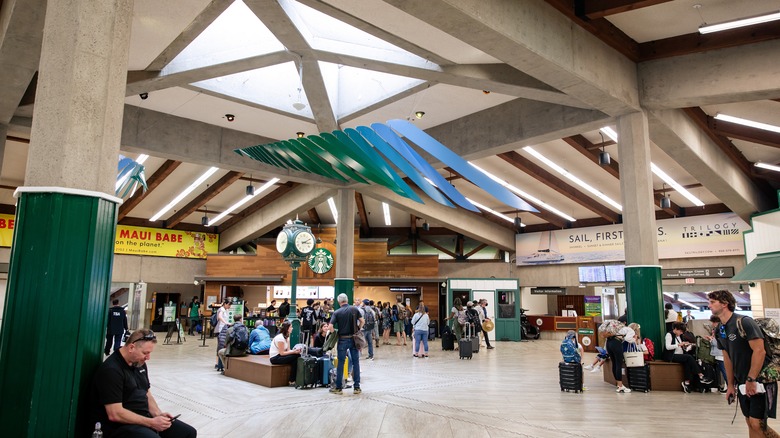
[(134, 269)]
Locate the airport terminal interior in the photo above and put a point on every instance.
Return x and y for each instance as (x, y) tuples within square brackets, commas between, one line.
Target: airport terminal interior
[(567, 161)]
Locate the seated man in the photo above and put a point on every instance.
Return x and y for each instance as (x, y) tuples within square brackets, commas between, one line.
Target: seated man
[(120, 398), (675, 351), (259, 340), (236, 341)]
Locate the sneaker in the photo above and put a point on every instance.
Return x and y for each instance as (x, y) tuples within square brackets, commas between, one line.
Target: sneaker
[(723, 390), (623, 389), (335, 390), (686, 388), (588, 367), (595, 370), (491, 347), (357, 391), (426, 356), (705, 381), (370, 357)]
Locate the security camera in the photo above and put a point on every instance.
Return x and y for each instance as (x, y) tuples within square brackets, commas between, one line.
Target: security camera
[(144, 96)]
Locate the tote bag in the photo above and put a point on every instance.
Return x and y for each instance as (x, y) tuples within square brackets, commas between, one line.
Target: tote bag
[(634, 356)]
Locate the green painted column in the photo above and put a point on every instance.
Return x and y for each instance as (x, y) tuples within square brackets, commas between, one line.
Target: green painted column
[(343, 286), (56, 308), (645, 302)]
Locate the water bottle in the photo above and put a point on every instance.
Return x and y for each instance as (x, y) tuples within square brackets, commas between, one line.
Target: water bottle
[(98, 433)]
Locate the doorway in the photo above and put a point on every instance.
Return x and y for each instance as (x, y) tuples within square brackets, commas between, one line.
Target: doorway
[(490, 296)]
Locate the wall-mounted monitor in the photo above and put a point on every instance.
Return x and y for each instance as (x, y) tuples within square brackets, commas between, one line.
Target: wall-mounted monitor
[(592, 274), (615, 273)]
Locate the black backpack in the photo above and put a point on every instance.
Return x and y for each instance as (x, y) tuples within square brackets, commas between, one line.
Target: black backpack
[(214, 319), (370, 319)]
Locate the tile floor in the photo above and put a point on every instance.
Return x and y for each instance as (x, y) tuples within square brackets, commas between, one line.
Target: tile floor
[(511, 391)]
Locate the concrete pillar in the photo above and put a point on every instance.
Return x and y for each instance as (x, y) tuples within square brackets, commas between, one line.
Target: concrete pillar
[(3, 139), (345, 245), (60, 270), (643, 274)]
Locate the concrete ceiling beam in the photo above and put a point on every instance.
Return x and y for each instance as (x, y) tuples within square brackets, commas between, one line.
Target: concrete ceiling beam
[(533, 37), (735, 74), (679, 137), (274, 214)]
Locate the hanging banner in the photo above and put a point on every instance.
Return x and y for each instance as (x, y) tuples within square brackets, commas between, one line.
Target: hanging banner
[(7, 229), (157, 242), (697, 236)]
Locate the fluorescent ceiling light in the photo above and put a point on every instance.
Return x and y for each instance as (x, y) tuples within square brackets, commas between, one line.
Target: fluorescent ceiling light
[(525, 195), (746, 122), (675, 185), (768, 166), (573, 178), (739, 23), (140, 160), (243, 201), (184, 193), (332, 205), (490, 210), (386, 210), (609, 132)]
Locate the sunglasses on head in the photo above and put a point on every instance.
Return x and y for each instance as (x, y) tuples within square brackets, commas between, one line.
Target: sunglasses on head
[(147, 337)]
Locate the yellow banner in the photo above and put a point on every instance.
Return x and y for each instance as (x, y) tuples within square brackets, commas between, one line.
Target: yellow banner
[(7, 229), (164, 243)]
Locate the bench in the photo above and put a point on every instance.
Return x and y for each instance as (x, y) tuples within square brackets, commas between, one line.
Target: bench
[(258, 370), (664, 376)]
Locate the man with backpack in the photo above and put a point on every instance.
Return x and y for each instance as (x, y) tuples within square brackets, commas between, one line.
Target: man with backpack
[(745, 356), (398, 314), (368, 327), (308, 320), (237, 340)]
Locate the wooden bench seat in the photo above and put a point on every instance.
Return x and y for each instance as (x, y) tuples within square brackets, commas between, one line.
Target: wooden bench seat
[(664, 376), (258, 370)]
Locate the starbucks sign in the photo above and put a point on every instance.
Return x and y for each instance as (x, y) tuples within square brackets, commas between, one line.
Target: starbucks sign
[(320, 261)]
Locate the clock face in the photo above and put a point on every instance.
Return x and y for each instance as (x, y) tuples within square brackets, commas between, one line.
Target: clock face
[(281, 242), (304, 242)]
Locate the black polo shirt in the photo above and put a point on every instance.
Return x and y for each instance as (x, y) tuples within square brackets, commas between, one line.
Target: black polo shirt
[(344, 319), (117, 382)]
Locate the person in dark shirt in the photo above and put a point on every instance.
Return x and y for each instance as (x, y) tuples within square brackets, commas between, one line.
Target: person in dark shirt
[(322, 334), (308, 320), (117, 325), (345, 320), (284, 309), (120, 398), (744, 356), (272, 307), (624, 317)]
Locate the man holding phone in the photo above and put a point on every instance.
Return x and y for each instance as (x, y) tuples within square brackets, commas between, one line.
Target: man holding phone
[(744, 356), (120, 398)]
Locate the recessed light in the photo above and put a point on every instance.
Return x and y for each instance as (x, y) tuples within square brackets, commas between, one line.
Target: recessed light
[(230, 117), (300, 134), (419, 114), (144, 96)]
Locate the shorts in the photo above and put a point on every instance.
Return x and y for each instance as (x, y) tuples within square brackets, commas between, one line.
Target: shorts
[(761, 406), (398, 326), (602, 356)]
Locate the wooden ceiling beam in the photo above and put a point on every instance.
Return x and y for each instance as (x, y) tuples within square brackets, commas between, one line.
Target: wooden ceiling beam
[(742, 132), (183, 226), (258, 205), (155, 180), (314, 218), (557, 184), (413, 232), (687, 186), (475, 250), (697, 43), (439, 247), (365, 229), (582, 145), (201, 200), (398, 242), (602, 8)]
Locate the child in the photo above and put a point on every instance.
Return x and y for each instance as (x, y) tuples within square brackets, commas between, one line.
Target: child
[(600, 359)]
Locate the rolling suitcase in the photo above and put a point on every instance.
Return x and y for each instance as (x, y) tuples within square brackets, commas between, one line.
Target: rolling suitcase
[(475, 342), (447, 338), (639, 378), (570, 376), (431, 333), (306, 375), (465, 345), (324, 365)]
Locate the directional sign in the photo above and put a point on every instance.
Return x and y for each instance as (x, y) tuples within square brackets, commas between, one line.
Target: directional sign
[(717, 272)]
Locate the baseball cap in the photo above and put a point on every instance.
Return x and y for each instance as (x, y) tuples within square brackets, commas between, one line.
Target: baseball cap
[(366, 301)]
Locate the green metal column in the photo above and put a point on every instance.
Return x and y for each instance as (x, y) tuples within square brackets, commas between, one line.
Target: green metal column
[(343, 286), (645, 303), (292, 317), (55, 310)]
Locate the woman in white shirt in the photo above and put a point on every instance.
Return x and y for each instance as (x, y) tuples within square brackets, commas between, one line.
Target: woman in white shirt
[(420, 321), (674, 351), (671, 316), (280, 352)]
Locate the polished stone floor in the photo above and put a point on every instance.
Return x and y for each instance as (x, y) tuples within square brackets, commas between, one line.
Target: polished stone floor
[(511, 391)]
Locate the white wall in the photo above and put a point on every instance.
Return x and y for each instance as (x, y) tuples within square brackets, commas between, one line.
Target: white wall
[(134, 269), (536, 304)]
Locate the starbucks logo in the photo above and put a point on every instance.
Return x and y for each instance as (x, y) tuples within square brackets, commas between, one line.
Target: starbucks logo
[(320, 261)]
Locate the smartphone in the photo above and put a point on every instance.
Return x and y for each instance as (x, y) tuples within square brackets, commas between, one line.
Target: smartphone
[(175, 417), (732, 397)]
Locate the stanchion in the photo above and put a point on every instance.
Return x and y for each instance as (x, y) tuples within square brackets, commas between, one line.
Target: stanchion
[(203, 331)]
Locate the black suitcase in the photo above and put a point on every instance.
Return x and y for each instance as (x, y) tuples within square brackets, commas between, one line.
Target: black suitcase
[(465, 346), (447, 341), (315, 351), (431, 333), (570, 376), (306, 374), (639, 378), (710, 373)]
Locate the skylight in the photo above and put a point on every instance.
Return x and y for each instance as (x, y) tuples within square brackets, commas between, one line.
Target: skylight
[(236, 34)]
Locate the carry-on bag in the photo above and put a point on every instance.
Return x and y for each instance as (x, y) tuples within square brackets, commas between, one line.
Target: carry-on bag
[(465, 346), (639, 378), (570, 376), (475, 342), (324, 365), (633, 356), (306, 374)]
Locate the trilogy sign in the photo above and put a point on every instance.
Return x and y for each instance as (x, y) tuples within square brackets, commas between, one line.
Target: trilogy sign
[(721, 272), (548, 291)]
